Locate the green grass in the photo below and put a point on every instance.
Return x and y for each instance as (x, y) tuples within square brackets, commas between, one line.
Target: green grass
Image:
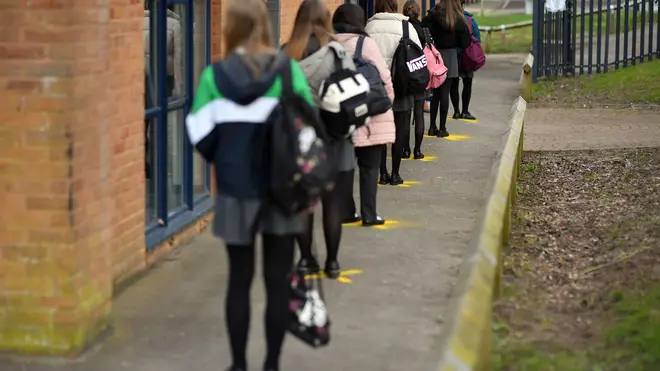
[(631, 342), (633, 85), (519, 40), (498, 20)]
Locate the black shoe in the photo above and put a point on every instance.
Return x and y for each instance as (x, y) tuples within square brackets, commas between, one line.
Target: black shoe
[(442, 133), (352, 219), (418, 155), (468, 116), (385, 178), (406, 153), (332, 269), (369, 223), (433, 131), (396, 180), (457, 116), (308, 266)]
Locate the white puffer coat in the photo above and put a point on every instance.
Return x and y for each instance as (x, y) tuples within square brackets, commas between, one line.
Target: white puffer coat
[(386, 29)]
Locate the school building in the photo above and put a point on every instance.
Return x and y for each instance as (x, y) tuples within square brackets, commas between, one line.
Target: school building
[(98, 179)]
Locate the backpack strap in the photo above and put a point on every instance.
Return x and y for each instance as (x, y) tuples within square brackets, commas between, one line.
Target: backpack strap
[(406, 35), (285, 75), (469, 24), (340, 55), (358, 47)]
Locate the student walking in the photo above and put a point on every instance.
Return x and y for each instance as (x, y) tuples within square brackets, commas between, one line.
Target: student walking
[(386, 29), (412, 10), (370, 141), (450, 32), (465, 76), (229, 125), (311, 43)]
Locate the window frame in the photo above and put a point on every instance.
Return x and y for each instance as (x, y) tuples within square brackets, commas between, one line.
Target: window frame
[(169, 222)]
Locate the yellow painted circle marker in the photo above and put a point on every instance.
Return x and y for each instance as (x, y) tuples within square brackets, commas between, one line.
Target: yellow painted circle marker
[(452, 137), (456, 137), (389, 224), (464, 120), (344, 276), (425, 159), (406, 184)]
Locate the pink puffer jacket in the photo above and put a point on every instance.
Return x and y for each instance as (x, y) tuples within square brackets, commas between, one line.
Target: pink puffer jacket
[(381, 130)]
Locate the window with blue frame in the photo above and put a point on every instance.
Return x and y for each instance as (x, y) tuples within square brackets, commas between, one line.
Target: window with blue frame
[(177, 48)]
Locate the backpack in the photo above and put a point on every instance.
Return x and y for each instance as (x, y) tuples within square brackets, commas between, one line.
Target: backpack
[(378, 101), (473, 57), (409, 72), (434, 62), (344, 98), (300, 169)]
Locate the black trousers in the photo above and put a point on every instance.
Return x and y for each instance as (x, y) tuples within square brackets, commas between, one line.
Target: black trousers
[(368, 159)]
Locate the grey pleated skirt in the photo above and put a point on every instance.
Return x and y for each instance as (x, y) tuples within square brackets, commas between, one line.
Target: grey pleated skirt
[(450, 57), (344, 153), (238, 220)]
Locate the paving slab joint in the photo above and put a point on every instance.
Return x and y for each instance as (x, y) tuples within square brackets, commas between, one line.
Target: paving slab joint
[(466, 339)]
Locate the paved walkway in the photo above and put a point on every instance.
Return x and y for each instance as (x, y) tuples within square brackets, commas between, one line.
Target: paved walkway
[(552, 129), (387, 319)]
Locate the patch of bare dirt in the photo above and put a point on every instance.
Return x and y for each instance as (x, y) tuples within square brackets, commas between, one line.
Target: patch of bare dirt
[(586, 224)]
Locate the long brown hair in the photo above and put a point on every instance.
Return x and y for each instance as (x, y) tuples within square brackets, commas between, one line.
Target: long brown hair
[(411, 9), (453, 12), (386, 6), (247, 26), (313, 18)]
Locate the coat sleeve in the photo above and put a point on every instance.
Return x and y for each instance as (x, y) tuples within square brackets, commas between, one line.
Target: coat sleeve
[(300, 84), (371, 53), (200, 122), (475, 29), (462, 35), (413, 35)]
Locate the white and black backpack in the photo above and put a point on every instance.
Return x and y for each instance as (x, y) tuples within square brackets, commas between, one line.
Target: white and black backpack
[(344, 97)]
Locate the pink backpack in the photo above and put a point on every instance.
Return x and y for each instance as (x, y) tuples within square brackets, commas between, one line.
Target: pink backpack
[(473, 56), (435, 64)]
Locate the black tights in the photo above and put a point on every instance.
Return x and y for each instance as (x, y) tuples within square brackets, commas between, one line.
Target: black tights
[(334, 203), (440, 99), (418, 123), (466, 96), (277, 260), (401, 140)]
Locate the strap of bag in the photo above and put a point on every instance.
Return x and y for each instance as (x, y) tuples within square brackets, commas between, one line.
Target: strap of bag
[(469, 24), (340, 55), (406, 35), (428, 36), (285, 74), (358, 47)]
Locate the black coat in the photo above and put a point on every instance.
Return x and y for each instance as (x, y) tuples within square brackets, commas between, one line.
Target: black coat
[(443, 37), (418, 27)]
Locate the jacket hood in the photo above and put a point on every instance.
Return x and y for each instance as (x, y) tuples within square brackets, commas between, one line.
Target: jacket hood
[(314, 61), (467, 14), (341, 28), (236, 80), (388, 17)]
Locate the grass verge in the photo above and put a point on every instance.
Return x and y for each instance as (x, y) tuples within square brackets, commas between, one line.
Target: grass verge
[(633, 85), (581, 290)]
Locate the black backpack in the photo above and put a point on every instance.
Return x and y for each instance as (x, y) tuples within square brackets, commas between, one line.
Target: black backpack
[(409, 72), (344, 97), (378, 100), (300, 167)]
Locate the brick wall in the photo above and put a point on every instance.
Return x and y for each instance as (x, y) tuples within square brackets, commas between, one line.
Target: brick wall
[(71, 214), (288, 15)]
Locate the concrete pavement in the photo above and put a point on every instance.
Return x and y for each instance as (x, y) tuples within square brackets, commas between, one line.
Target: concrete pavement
[(387, 319)]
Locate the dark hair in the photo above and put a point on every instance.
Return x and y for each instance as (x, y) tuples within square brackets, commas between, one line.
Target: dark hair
[(411, 9), (386, 6), (349, 14)]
